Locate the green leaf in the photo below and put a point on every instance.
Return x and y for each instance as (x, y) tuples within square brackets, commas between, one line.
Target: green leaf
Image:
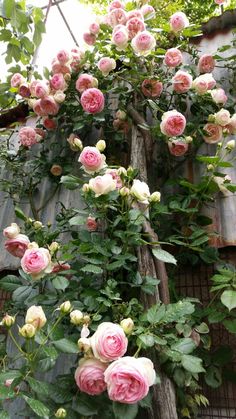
[(70, 182), (19, 213), (8, 6), (202, 328), (48, 357), (192, 364), (10, 283), (185, 346), (4, 415), (228, 298), (38, 387), (92, 269), (147, 340), (155, 313), (163, 255), (230, 325), (38, 407), (6, 392), (66, 346), (213, 376), (23, 293), (60, 283), (10, 375), (85, 405), (77, 220), (125, 411)]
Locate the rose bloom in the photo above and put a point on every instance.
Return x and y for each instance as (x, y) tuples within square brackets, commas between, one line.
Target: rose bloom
[(41, 89), (35, 316), (27, 137), (57, 82), (182, 81), (49, 105), (222, 117), (178, 21), (214, 133), (58, 67), (49, 123), (152, 88), (63, 56), (89, 376), (120, 37), (220, 2), (85, 81), (94, 28), (91, 224), (89, 38), (38, 109), (231, 127), (11, 231), (204, 83), (143, 43), (116, 4), (92, 160), (92, 100), (206, 63), (102, 185), (134, 13), (140, 191), (17, 79), (128, 379), (18, 245), (116, 17), (147, 10), (178, 147), (219, 96), (109, 342), (32, 86), (173, 123), (134, 26), (115, 176), (24, 90), (106, 65), (173, 57), (59, 96), (36, 262)]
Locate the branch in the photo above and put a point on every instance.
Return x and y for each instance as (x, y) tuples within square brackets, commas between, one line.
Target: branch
[(139, 120)]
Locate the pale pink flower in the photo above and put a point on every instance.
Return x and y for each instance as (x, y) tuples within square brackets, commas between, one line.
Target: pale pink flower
[(106, 65), (120, 37), (134, 26), (57, 82), (11, 231), (91, 224), (85, 81), (173, 57), (17, 79), (140, 190), (18, 245), (147, 11), (92, 160), (178, 21), (27, 136), (116, 4), (173, 123), (219, 96), (143, 43), (102, 185), (134, 13), (58, 67), (89, 38), (177, 147), (220, 2), (32, 86), (63, 56), (41, 89), (24, 90), (36, 262), (116, 17), (92, 100), (204, 83), (59, 96), (232, 125), (109, 342), (35, 316), (152, 88), (89, 376), (94, 28), (116, 177), (222, 117), (214, 133), (206, 63), (182, 81), (49, 105)]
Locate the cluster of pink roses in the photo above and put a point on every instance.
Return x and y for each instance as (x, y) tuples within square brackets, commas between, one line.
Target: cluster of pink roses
[(29, 136), (219, 124), (16, 243), (126, 379)]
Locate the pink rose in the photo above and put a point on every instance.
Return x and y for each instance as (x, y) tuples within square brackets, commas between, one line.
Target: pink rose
[(214, 133), (222, 117), (24, 90), (116, 4), (49, 123), (134, 26), (204, 83), (32, 86), (173, 57), (178, 147), (89, 38), (27, 136), (106, 65), (115, 176), (143, 43), (18, 245), (109, 342), (152, 88), (120, 37), (94, 28), (178, 21), (89, 376), (41, 89), (220, 2), (173, 123), (77, 56), (36, 262), (58, 67), (49, 105), (134, 13), (117, 17), (38, 109), (57, 82), (102, 185), (219, 96), (182, 81), (92, 160), (91, 224), (232, 125), (92, 100), (147, 11), (63, 56), (12, 231), (128, 379), (206, 63), (17, 79), (85, 81)]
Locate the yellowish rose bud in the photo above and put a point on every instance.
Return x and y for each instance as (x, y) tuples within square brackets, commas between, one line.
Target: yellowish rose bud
[(8, 321), (84, 344), (27, 331), (230, 145), (121, 171), (124, 191), (211, 118), (155, 197), (130, 171), (61, 413), (54, 247), (219, 145), (85, 187), (76, 317), (75, 143), (121, 115), (86, 319), (65, 307), (95, 82), (35, 316), (189, 139), (31, 102), (127, 325), (37, 225), (101, 145), (67, 77), (33, 245), (210, 167)]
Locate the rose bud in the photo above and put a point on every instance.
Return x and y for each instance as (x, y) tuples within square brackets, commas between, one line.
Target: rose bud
[(155, 197), (121, 171), (127, 325), (86, 187), (75, 143), (91, 224), (65, 307), (84, 344), (124, 191), (86, 319), (27, 331), (101, 145), (36, 317), (12, 231), (230, 145), (54, 247), (61, 413), (56, 170), (37, 225), (76, 317), (8, 320)]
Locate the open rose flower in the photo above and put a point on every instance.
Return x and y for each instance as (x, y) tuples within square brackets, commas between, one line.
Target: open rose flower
[(204, 83), (214, 133), (173, 123), (85, 81), (128, 379), (28, 137), (134, 26), (36, 262), (102, 185), (11, 231), (115, 176), (92, 100), (173, 57), (206, 63), (117, 16), (89, 376), (36, 316), (17, 245), (140, 191), (41, 89), (49, 105), (116, 4), (152, 88), (182, 81), (38, 109), (134, 13), (63, 56), (94, 28), (178, 21), (92, 160), (222, 117), (57, 82), (17, 79), (58, 67), (106, 64), (120, 37), (143, 43), (89, 38), (178, 147), (219, 96), (109, 342)]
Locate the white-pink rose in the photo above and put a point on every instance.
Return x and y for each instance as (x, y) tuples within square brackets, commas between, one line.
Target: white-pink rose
[(63, 56), (116, 4), (49, 105), (35, 316), (28, 137), (92, 160), (89, 38), (214, 133), (232, 125), (140, 191), (222, 117), (57, 82), (182, 81), (94, 28), (41, 89), (89, 376), (220, 2), (17, 79), (11, 231), (173, 57), (91, 224), (206, 63), (143, 43), (204, 83), (18, 245), (92, 100), (147, 11), (102, 185), (219, 96), (117, 16), (128, 379), (109, 342), (134, 26), (36, 262), (85, 81), (106, 65), (178, 147), (115, 176), (120, 37), (59, 96), (178, 21), (173, 123)]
